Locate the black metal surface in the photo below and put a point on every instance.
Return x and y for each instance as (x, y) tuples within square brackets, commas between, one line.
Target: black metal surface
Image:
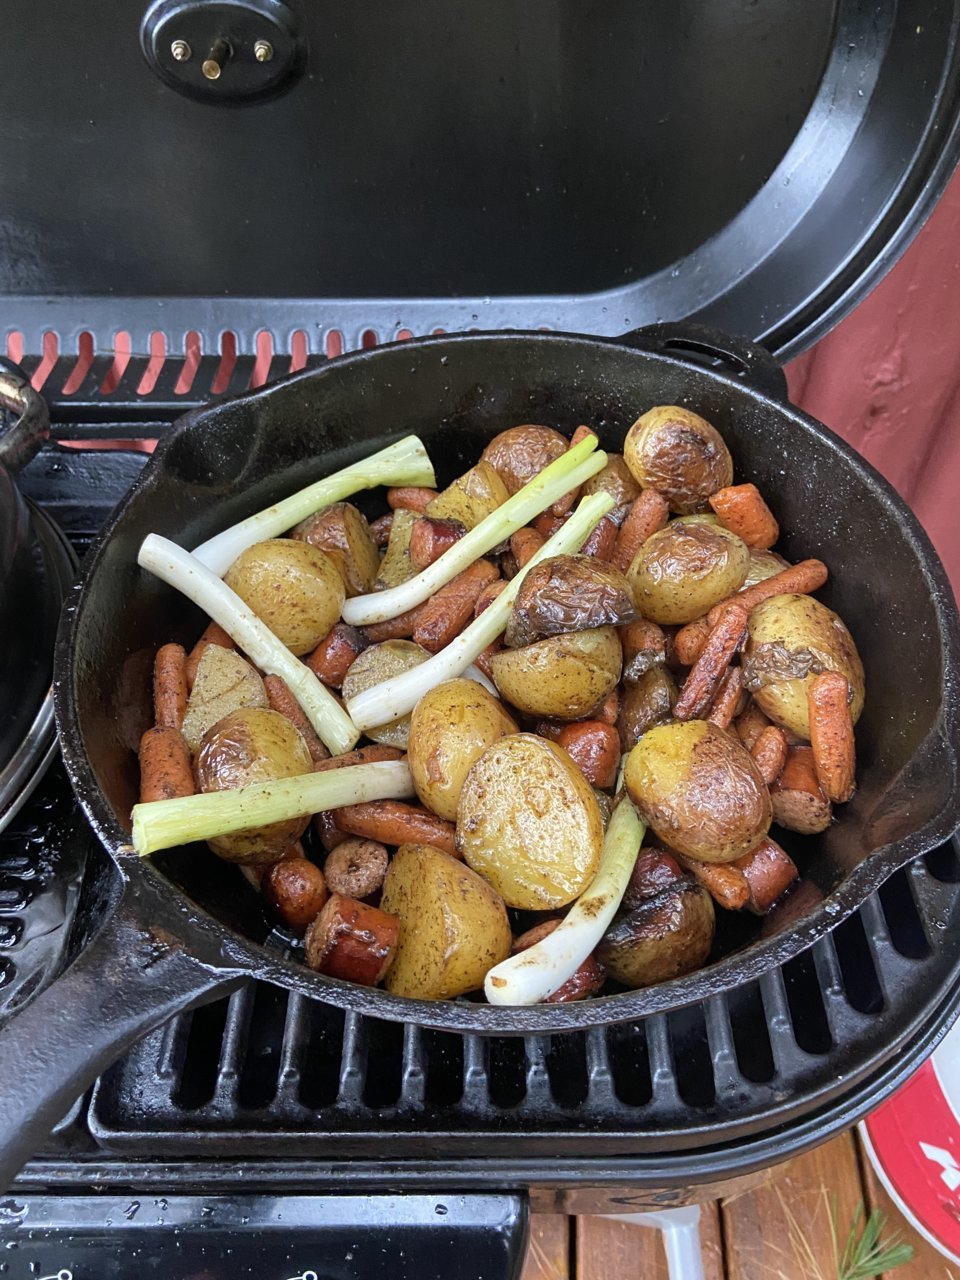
[(756, 166), (261, 1237)]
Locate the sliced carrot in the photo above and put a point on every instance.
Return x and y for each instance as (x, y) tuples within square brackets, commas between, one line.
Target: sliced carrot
[(445, 614), (393, 823), (727, 699), (742, 510)]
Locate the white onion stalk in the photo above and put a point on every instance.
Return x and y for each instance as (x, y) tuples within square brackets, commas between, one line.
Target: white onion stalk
[(536, 973), (396, 697), (402, 463), (163, 824), (198, 583), (567, 472)]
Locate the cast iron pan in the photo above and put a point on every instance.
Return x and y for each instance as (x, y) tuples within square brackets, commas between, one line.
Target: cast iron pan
[(181, 929)]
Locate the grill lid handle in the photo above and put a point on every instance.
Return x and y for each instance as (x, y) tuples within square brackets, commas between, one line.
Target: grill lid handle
[(19, 444), (698, 344)]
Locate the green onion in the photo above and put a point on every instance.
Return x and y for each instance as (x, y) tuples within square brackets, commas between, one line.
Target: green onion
[(399, 695), (198, 583), (536, 973), (567, 472), (402, 463), (164, 824)]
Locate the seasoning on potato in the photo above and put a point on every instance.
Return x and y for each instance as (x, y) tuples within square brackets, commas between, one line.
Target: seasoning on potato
[(685, 569), (292, 587), (568, 593), (565, 676)]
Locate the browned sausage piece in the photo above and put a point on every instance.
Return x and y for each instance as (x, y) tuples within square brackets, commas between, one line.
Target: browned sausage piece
[(769, 872), (445, 614), (329, 833), (583, 984), (394, 823), (336, 653), (170, 686), (652, 872), (750, 723), (602, 539), (609, 709), (360, 755), (380, 529), (769, 753), (705, 676), (547, 525), (594, 748), (484, 656), (282, 700), (356, 867), (401, 627), (487, 596), (798, 803), (644, 646), (724, 882), (525, 544), (430, 537), (166, 771), (352, 940), (295, 891), (213, 634), (410, 498)]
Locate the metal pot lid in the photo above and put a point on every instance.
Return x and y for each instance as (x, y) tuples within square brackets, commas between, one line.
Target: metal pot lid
[(755, 166)]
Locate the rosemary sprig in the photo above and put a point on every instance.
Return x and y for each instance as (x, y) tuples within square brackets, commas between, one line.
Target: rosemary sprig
[(865, 1253)]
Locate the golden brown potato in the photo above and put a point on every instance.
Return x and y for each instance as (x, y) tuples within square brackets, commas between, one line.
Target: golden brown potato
[(294, 588), (224, 682), (344, 534), (295, 891), (453, 925), (569, 593), (471, 497), (615, 479), (378, 663), (699, 790), (763, 565), (685, 569), (680, 454), (563, 676), (396, 565), (647, 702), (663, 937), (791, 639), (528, 822), (253, 745), (451, 727), (520, 453)]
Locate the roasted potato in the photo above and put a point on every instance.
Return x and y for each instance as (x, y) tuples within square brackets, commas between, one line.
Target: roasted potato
[(647, 702), (528, 821), (663, 937), (564, 676), (344, 534), (253, 745), (791, 639), (615, 479), (568, 593), (680, 454), (682, 571), (453, 925), (224, 682), (520, 453), (378, 663), (763, 565), (397, 565), (699, 790), (294, 588), (471, 497), (451, 727)]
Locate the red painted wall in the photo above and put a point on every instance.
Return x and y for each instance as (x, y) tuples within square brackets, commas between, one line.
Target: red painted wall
[(887, 378)]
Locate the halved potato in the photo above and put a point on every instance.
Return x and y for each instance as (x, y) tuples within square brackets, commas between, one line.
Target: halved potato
[(451, 727), (528, 821), (791, 639), (563, 676), (342, 531), (453, 925), (375, 665), (520, 453), (224, 682), (471, 497), (396, 565), (663, 937)]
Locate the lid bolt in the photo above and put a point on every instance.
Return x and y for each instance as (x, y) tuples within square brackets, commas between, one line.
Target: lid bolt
[(263, 51), (213, 63), (180, 50)]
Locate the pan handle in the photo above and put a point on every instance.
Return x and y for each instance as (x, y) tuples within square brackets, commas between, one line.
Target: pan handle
[(132, 977), (698, 344), (32, 428)]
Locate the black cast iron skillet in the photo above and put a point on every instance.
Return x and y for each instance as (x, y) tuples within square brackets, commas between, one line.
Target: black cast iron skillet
[(181, 929)]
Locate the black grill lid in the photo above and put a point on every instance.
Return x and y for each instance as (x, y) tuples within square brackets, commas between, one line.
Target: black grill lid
[(755, 165)]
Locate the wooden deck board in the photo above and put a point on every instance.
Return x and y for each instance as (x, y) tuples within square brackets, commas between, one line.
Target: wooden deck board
[(548, 1253)]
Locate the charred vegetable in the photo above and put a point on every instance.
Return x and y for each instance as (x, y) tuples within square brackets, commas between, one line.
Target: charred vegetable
[(664, 937), (680, 454), (569, 593), (343, 533)]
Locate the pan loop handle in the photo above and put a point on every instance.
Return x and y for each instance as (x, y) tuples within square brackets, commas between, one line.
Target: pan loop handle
[(32, 427), (712, 349)]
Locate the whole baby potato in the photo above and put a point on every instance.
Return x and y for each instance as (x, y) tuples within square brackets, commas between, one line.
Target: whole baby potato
[(453, 925), (520, 453), (790, 640), (342, 532), (680, 454), (663, 937), (292, 587), (451, 727), (682, 571), (375, 665), (529, 823), (699, 790), (253, 745), (564, 676)]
